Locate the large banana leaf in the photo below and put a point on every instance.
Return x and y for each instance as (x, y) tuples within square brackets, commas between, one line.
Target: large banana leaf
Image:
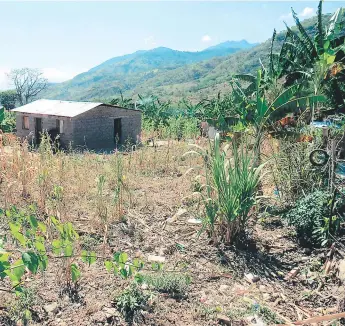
[(271, 53), (319, 37), (305, 37), (336, 22)]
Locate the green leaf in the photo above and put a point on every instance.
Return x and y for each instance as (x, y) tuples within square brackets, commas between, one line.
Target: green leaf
[(20, 238), (88, 257), (123, 273), (117, 256), (31, 261), (44, 262), (33, 222), (4, 256), (56, 246), (17, 271), (68, 250), (123, 257), (75, 273), (137, 263), (40, 247), (330, 59), (42, 227), (326, 45), (108, 265), (14, 227)]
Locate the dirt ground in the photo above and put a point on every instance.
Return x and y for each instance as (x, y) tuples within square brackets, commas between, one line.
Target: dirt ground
[(220, 291)]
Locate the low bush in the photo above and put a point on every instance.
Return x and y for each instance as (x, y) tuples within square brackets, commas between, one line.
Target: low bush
[(175, 284), (311, 217), (21, 310), (131, 302)]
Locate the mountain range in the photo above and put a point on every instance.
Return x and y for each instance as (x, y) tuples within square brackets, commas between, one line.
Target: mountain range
[(167, 73)]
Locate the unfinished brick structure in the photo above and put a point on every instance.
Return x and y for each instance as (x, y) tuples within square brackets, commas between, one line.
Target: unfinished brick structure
[(89, 124)]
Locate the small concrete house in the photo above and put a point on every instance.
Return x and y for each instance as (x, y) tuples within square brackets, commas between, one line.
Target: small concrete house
[(94, 125)]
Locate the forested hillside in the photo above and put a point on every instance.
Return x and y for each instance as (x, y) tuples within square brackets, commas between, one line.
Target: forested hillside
[(168, 73)]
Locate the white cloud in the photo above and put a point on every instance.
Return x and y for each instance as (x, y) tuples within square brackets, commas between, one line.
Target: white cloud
[(55, 75), (307, 12), (206, 38), (150, 40)]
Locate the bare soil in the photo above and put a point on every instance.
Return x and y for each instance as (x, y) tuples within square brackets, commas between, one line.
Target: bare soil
[(219, 287)]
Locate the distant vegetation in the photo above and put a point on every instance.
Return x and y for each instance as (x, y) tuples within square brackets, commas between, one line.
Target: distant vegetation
[(170, 74)]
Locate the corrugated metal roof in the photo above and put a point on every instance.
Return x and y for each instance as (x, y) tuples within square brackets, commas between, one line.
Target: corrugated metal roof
[(58, 108)]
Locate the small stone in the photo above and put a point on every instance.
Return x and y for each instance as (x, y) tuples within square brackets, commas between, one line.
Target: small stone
[(144, 286), (223, 319), (251, 278), (292, 273), (180, 213), (194, 221), (266, 296), (156, 259), (223, 288), (110, 312), (99, 317), (51, 308)]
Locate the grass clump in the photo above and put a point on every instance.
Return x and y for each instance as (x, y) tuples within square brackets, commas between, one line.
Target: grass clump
[(175, 284), (232, 176)]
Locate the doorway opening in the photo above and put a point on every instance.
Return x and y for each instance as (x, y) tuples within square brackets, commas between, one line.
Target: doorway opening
[(38, 130), (117, 131)]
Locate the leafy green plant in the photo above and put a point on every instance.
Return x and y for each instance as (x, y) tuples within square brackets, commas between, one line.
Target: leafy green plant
[(131, 301), (175, 284), (21, 309), (35, 238), (7, 120), (311, 217)]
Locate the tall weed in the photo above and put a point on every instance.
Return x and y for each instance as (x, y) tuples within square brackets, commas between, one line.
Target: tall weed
[(232, 179)]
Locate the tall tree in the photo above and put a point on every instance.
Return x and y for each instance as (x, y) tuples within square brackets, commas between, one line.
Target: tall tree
[(28, 83), (8, 99)]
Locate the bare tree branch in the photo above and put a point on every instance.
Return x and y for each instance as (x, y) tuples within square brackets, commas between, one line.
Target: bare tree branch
[(28, 83)]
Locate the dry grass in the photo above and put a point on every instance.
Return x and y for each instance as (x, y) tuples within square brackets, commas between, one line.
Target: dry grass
[(128, 211)]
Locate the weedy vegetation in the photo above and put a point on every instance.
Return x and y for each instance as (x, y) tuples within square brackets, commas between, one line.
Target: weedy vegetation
[(144, 220)]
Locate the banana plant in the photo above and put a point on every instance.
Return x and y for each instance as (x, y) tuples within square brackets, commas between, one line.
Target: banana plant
[(306, 57)]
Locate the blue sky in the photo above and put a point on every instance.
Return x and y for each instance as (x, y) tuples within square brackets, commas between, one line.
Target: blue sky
[(67, 38)]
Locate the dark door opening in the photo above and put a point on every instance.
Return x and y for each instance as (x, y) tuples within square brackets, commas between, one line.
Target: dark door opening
[(38, 130), (117, 131)]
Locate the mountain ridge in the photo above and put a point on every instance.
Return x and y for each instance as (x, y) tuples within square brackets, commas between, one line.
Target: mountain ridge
[(127, 72), (198, 78)]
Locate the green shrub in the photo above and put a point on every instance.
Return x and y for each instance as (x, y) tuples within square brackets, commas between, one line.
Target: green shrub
[(311, 216), (174, 284), (131, 301), (21, 310)]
